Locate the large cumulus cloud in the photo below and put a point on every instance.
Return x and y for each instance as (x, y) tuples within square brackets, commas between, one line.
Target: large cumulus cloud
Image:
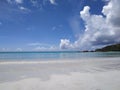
[(100, 30), (65, 44)]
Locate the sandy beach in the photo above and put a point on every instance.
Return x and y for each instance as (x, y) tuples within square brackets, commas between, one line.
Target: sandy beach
[(59, 45), (85, 74)]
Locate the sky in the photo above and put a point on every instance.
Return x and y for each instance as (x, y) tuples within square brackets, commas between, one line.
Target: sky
[(40, 25)]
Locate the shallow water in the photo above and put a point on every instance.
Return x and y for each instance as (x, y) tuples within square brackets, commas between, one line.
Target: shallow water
[(71, 55)]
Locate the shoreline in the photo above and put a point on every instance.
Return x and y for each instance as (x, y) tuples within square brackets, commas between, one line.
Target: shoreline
[(56, 60)]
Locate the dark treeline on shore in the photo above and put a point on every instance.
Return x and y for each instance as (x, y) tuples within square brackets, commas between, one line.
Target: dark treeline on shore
[(115, 47)]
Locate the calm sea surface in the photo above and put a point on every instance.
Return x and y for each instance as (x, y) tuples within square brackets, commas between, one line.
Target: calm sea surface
[(5, 56)]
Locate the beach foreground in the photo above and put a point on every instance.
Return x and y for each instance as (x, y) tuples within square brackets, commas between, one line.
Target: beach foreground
[(86, 74)]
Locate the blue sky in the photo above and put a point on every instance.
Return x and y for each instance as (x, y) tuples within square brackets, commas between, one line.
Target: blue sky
[(51, 24)]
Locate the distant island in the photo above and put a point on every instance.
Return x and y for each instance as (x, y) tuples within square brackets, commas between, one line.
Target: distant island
[(115, 47)]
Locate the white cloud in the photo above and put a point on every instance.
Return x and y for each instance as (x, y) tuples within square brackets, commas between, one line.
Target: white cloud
[(34, 3), (38, 44), (42, 48), (37, 4), (65, 44), (111, 11), (5, 49), (9, 1), (85, 13), (19, 49), (15, 1), (53, 2), (99, 30), (24, 9), (19, 1), (53, 48)]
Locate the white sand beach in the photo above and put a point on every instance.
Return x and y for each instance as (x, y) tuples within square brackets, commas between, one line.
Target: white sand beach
[(85, 74)]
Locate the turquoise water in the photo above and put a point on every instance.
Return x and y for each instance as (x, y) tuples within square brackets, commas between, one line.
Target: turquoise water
[(54, 55)]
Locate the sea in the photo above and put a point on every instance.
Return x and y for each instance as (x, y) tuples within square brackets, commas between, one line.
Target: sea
[(54, 55)]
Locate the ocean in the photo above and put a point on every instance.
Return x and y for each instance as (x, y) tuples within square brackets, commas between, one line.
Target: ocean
[(56, 55), (68, 70)]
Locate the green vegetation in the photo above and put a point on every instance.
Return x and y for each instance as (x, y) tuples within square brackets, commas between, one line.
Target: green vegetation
[(115, 47)]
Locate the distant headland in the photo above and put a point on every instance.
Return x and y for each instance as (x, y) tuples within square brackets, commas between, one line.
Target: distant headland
[(115, 47)]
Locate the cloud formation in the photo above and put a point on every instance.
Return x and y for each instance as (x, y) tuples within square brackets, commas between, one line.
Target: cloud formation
[(19, 49), (19, 1), (65, 44), (37, 44), (15, 1), (99, 30), (21, 4), (52, 2), (42, 47), (24, 9), (34, 2)]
